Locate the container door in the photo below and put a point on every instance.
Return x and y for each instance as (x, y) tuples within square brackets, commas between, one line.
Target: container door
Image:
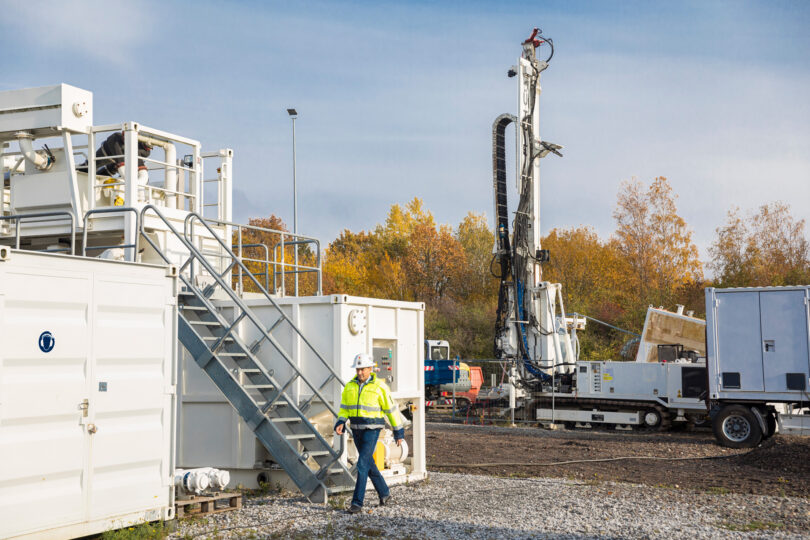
[(784, 337), (130, 406), (739, 343), (43, 366)]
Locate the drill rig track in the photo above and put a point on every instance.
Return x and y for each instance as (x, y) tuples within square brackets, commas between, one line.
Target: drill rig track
[(608, 405)]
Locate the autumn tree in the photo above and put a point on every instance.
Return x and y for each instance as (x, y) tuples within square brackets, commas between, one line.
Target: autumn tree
[(434, 259), (591, 270), (410, 257), (347, 263), (656, 243), (767, 247), (477, 240)]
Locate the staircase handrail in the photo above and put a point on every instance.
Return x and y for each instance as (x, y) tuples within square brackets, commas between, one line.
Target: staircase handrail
[(188, 221), (194, 253)]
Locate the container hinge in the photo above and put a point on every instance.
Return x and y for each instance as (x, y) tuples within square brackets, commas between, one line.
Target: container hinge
[(5, 253), (170, 389)]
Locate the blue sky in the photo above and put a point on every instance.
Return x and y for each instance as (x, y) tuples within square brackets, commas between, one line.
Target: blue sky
[(396, 99)]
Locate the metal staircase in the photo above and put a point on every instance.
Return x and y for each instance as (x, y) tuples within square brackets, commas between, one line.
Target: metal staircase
[(266, 404)]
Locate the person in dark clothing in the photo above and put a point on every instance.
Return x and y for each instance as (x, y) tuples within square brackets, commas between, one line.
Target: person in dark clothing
[(114, 146)]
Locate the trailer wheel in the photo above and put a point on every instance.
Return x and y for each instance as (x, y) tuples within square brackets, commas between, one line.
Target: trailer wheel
[(770, 421), (735, 426)]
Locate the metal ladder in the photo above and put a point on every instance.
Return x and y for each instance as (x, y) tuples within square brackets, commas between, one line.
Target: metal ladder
[(263, 402)]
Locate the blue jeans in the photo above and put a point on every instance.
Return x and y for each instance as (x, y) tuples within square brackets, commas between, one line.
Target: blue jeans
[(366, 441)]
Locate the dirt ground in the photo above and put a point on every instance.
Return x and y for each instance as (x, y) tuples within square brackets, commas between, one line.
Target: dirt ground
[(780, 466)]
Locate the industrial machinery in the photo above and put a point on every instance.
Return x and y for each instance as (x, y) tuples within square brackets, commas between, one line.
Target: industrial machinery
[(758, 362), (222, 362), (447, 379), (533, 331)]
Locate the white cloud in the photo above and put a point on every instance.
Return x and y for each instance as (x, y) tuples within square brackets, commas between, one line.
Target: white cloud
[(109, 31)]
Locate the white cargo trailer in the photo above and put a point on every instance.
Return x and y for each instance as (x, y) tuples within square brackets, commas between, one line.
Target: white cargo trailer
[(758, 356), (87, 394), (212, 432)]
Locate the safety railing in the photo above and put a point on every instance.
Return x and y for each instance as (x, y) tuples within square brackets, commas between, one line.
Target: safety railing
[(116, 210), (19, 218), (279, 263), (266, 261), (236, 262), (176, 173), (219, 277), (297, 268)]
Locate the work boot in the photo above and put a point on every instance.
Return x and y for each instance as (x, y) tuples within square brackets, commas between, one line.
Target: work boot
[(385, 500), (354, 509)]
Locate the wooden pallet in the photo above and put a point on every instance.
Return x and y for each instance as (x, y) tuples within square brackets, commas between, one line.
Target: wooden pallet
[(205, 505)]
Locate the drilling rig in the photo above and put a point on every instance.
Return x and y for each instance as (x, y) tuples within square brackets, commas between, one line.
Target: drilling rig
[(534, 335), (531, 328)]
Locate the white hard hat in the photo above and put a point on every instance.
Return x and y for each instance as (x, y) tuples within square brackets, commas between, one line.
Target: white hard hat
[(362, 360)]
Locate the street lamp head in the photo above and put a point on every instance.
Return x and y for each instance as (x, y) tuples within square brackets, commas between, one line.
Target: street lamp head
[(292, 112)]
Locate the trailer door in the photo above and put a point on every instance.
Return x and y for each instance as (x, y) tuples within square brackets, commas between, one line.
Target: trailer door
[(739, 343), (784, 337)]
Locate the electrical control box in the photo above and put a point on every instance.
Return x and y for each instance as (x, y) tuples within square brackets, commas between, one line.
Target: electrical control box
[(384, 365)]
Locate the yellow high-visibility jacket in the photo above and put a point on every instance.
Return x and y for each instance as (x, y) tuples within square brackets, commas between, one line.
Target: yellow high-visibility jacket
[(367, 405)]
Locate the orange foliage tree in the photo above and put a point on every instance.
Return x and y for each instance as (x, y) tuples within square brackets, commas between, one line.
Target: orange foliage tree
[(657, 245), (410, 257)]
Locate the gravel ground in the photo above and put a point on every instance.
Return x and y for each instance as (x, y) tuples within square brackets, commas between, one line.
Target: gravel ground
[(451, 505)]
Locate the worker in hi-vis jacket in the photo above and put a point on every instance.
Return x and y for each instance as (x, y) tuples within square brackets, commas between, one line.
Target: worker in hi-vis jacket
[(365, 403)]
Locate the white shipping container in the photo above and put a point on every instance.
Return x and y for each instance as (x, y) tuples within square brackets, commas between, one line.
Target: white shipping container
[(211, 433), (87, 394)]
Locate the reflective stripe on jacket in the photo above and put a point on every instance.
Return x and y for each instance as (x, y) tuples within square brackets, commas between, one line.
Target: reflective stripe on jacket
[(367, 405)]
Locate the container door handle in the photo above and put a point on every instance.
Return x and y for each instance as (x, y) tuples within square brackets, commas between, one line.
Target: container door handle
[(84, 406)]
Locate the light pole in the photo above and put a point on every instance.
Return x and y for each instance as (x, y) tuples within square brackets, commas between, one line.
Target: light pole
[(293, 115)]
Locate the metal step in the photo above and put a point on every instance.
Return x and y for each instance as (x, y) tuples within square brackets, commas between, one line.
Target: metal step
[(300, 436), (205, 323)]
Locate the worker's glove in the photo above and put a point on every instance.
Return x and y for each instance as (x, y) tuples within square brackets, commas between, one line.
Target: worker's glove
[(143, 177)]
